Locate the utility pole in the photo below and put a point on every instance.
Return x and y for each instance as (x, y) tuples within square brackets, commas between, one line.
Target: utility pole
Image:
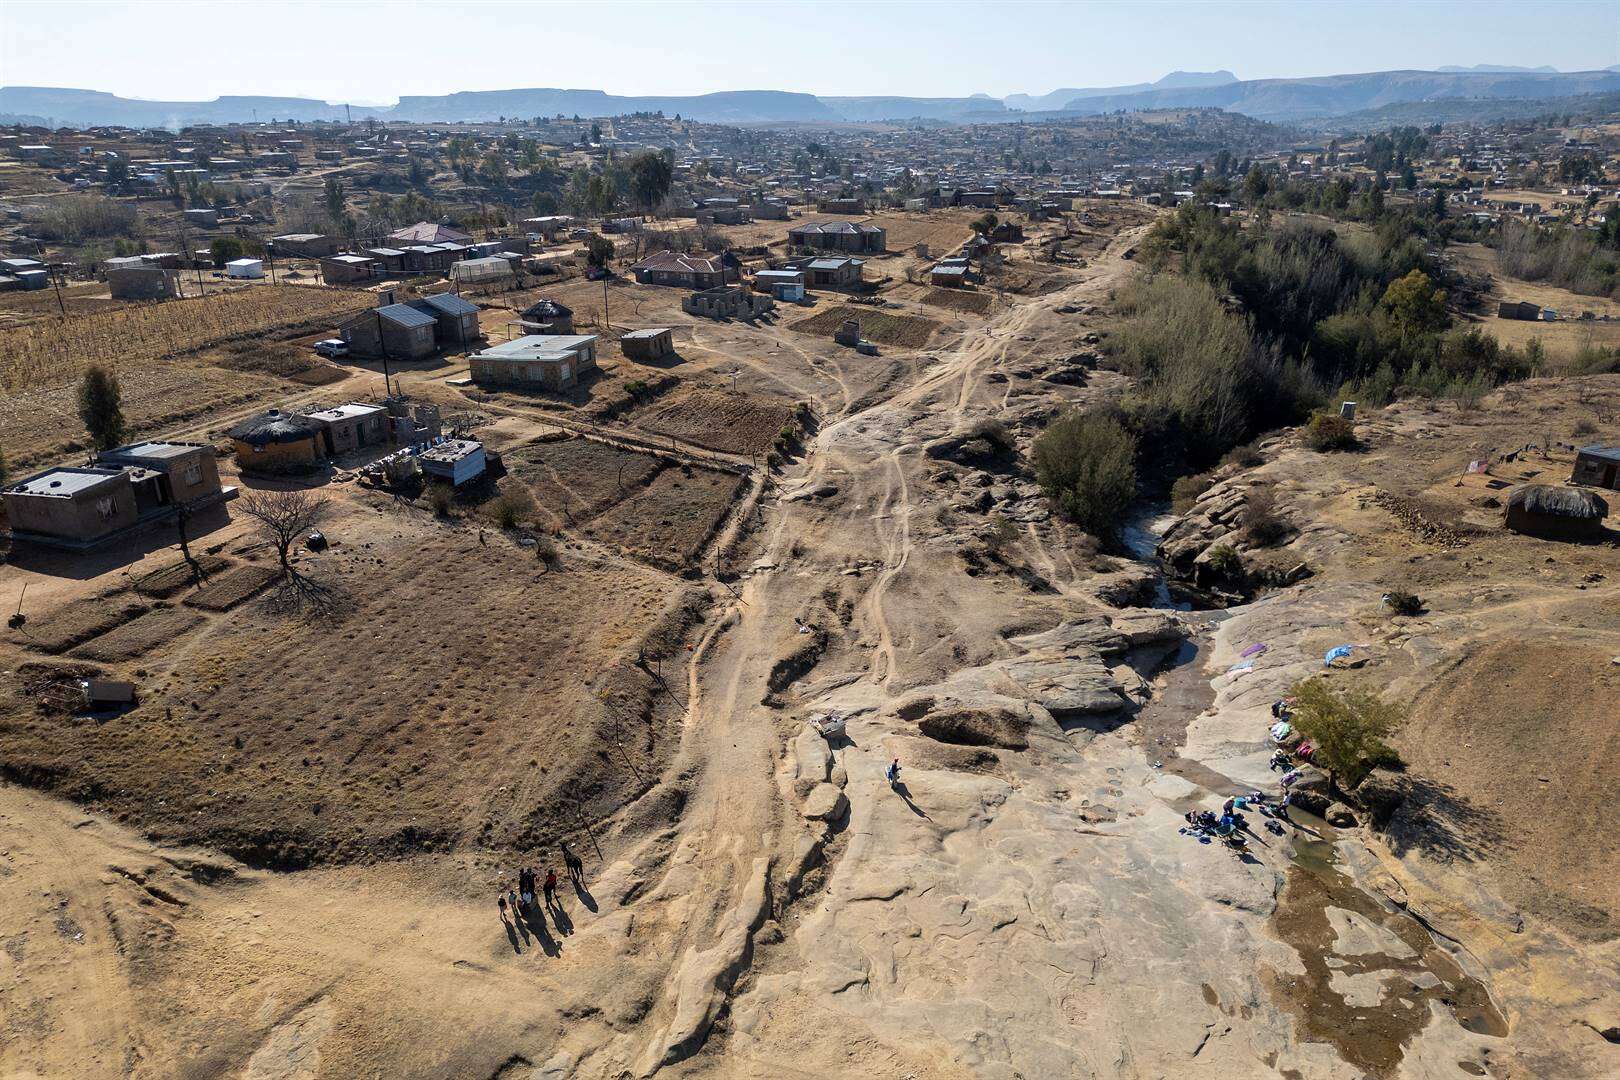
[(607, 320), (56, 279), (382, 347)]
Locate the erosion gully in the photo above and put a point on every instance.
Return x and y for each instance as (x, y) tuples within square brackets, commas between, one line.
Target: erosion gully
[(1372, 1037)]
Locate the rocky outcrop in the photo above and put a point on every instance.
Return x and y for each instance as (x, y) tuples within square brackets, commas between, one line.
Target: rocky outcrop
[(993, 726)]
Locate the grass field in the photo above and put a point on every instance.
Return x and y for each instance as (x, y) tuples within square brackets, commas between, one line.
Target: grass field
[(1562, 338), (48, 352)]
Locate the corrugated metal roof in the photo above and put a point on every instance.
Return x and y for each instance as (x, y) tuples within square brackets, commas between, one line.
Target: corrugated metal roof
[(406, 316), (450, 304)]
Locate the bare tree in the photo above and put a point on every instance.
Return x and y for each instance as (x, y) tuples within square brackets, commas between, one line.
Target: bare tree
[(182, 521), (281, 518)]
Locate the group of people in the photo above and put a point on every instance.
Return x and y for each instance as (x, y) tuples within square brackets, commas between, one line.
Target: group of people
[(520, 900), (1231, 824)]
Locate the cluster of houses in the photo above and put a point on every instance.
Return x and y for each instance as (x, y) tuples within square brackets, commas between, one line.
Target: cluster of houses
[(121, 492), (411, 330), (425, 248), (278, 441)]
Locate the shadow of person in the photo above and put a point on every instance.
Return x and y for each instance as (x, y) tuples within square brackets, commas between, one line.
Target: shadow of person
[(585, 896), (511, 933), (904, 792), (565, 925), (542, 933)]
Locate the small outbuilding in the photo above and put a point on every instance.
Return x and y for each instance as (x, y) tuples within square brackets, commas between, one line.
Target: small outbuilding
[(454, 460), (1598, 466), (247, 269), (1556, 513), (143, 283), (348, 269), (650, 344), (350, 427)]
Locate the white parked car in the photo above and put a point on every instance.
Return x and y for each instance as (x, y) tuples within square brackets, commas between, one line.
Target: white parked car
[(332, 347)]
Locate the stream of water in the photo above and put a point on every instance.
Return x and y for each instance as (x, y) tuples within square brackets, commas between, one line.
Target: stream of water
[(1369, 1005)]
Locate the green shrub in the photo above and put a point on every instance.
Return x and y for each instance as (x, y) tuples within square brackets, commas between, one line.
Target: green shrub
[(1329, 431), (1224, 563), (1348, 728), (1244, 457), (1086, 463), (1185, 491), (507, 509)]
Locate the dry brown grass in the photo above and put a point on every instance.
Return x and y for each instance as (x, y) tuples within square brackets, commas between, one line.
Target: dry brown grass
[(728, 422), (886, 328), (976, 303), (56, 351)]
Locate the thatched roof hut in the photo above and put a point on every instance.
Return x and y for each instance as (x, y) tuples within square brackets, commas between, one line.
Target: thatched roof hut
[(275, 427), (1559, 513), (276, 441)]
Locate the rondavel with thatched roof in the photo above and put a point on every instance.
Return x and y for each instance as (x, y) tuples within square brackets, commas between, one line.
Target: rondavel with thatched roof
[(1556, 513)]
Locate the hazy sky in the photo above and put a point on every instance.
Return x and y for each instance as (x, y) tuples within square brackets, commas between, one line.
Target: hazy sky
[(364, 52)]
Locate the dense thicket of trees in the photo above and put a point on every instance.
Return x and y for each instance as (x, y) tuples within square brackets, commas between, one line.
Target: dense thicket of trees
[(1263, 324)]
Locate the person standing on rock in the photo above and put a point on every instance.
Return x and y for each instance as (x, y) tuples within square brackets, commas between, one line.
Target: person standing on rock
[(892, 773)]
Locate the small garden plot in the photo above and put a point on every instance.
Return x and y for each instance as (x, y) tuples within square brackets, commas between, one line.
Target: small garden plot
[(668, 522), (575, 479), (717, 419), (232, 587), (79, 621), (139, 636), (886, 328), (976, 303), (459, 694), (168, 580)]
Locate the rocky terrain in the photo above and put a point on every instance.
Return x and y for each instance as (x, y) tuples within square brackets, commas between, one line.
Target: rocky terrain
[(1023, 902)]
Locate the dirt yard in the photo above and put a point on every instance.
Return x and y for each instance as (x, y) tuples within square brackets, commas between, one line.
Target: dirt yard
[(1562, 338), (883, 327)]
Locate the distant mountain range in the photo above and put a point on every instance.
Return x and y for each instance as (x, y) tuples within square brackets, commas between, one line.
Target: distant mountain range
[(1287, 100), (1176, 80)]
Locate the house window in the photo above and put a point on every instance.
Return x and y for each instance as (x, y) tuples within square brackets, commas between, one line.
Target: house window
[(193, 474), (104, 507)]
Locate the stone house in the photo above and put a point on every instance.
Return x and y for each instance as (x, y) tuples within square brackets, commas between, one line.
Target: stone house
[(851, 236), (687, 271), (650, 344), (397, 331), (535, 361)]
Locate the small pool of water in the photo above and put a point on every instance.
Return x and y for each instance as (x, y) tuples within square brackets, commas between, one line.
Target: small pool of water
[(1371, 1036)]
